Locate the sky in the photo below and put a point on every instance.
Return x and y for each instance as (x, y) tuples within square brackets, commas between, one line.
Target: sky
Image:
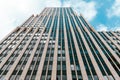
[(103, 15)]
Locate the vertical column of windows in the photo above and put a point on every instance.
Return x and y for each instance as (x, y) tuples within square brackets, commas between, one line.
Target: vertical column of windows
[(34, 59), (37, 57), (49, 28), (31, 71), (107, 72), (19, 68), (18, 50), (50, 52), (12, 58), (101, 63), (38, 21), (116, 37), (72, 52), (114, 45), (55, 37), (84, 52), (103, 42), (63, 56), (11, 45), (47, 68), (57, 12), (7, 40), (33, 21), (59, 50), (17, 32), (61, 59), (93, 49), (108, 54)]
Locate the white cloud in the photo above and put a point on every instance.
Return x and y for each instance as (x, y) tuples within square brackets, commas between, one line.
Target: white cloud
[(15, 12), (115, 28), (101, 27), (114, 10), (87, 9), (118, 28)]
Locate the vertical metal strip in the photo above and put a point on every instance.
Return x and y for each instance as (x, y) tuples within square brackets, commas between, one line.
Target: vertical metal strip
[(84, 74), (23, 75), (54, 68), (101, 53), (100, 76), (7, 57), (39, 72), (111, 40), (20, 55), (26, 69), (21, 29), (36, 19), (115, 35), (107, 46), (9, 35), (69, 74)]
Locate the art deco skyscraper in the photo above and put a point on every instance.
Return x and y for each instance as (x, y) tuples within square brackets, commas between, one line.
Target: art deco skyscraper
[(59, 44)]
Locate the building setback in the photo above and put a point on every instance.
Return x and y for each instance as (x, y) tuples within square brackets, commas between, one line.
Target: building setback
[(58, 44)]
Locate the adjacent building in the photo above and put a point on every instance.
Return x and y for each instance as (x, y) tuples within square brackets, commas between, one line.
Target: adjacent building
[(59, 44)]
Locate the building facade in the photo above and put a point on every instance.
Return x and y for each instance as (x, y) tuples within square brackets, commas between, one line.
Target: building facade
[(58, 44)]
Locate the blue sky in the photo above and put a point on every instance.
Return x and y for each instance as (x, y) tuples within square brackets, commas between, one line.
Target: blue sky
[(101, 14)]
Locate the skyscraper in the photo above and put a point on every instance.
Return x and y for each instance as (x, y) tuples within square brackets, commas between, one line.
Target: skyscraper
[(59, 44)]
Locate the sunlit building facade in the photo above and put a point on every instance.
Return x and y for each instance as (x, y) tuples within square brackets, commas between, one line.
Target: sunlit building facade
[(59, 44)]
